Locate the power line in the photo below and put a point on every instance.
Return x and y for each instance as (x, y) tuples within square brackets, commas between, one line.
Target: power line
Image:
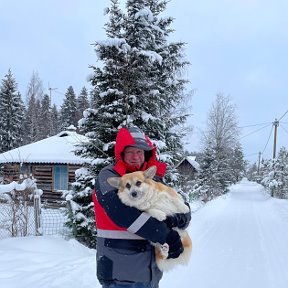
[(255, 131), (255, 125), (283, 115), (283, 128), (267, 140), (60, 93)]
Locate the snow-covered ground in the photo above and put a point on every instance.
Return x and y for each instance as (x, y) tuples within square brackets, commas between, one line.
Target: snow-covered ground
[(239, 240)]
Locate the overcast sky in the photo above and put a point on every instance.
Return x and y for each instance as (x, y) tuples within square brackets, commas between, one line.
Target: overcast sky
[(235, 47)]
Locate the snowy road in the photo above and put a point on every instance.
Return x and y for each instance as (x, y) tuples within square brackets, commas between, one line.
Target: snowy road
[(240, 241)]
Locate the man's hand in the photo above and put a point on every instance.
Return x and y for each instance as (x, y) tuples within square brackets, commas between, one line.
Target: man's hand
[(175, 245), (179, 220)]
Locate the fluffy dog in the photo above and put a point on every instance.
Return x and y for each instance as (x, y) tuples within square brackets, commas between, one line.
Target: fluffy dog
[(158, 200)]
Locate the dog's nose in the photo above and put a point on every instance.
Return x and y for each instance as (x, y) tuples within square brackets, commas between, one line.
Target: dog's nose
[(134, 194)]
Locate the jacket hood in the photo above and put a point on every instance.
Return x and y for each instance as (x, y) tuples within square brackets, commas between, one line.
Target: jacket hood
[(134, 137)]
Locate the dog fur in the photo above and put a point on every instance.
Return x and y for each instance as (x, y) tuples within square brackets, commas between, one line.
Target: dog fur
[(138, 189)]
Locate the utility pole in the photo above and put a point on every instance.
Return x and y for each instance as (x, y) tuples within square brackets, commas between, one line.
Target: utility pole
[(259, 159), (50, 89), (276, 124)]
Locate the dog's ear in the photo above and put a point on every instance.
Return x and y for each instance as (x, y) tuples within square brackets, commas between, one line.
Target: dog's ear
[(150, 172), (114, 181)]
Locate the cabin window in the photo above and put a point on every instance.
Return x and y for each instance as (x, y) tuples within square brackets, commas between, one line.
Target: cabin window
[(60, 177), (25, 169)]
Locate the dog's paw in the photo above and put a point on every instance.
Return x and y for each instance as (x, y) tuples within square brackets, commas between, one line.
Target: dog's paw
[(158, 214), (164, 250)]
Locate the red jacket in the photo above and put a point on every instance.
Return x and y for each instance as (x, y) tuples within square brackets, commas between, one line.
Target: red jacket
[(124, 252), (124, 139)]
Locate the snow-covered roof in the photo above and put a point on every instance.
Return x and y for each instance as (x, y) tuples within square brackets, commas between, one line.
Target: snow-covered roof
[(192, 161), (56, 149)]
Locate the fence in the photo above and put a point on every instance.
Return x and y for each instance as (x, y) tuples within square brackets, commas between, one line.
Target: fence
[(27, 218)]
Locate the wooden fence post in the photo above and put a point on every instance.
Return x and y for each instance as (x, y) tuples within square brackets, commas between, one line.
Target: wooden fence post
[(37, 214)]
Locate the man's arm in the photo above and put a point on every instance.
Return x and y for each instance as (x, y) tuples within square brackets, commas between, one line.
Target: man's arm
[(136, 221)]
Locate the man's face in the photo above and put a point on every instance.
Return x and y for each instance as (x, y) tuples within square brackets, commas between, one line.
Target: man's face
[(134, 156)]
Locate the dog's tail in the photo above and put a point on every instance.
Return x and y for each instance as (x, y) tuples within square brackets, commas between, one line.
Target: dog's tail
[(168, 264)]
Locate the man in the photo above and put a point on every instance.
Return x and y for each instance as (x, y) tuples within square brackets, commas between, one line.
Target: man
[(125, 257)]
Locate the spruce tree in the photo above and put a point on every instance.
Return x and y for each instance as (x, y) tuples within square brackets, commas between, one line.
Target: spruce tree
[(237, 164), (11, 114), (160, 92), (45, 120), (138, 84), (68, 109), (31, 126), (82, 104), (207, 185), (55, 122), (275, 174)]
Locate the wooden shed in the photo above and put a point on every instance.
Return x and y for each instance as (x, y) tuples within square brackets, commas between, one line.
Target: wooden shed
[(51, 161), (188, 166)]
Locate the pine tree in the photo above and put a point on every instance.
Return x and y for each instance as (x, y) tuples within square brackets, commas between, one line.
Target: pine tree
[(68, 109), (55, 124), (275, 174), (82, 103), (45, 120), (31, 126), (208, 184), (237, 164), (160, 92), (11, 114), (138, 84)]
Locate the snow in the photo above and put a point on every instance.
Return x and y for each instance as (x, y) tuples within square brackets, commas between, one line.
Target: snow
[(192, 161), (58, 149), (239, 240), (27, 183)]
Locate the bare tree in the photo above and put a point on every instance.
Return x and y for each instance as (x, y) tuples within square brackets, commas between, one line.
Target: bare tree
[(222, 158), (222, 128), (35, 88)]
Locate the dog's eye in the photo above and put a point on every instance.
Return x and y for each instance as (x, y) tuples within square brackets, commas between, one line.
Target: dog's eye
[(138, 183), (128, 185)]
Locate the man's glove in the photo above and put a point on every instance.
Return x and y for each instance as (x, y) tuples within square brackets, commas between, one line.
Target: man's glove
[(179, 220), (175, 245)]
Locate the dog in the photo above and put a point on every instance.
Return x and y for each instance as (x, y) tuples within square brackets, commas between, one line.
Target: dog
[(139, 190)]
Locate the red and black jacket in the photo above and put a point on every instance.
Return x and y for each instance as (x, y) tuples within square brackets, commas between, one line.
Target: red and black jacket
[(114, 219)]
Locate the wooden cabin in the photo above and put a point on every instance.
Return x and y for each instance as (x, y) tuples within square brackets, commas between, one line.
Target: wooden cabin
[(51, 162), (188, 167)]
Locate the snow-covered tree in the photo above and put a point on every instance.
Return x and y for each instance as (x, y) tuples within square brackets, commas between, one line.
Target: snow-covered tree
[(35, 88), (11, 114), (45, 120), (237, 163), (139, 82), (82, 103), (31, 121), (252, 172), (208, 182), (55, 125), (222, 162), (68, 109), (275, 174)]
